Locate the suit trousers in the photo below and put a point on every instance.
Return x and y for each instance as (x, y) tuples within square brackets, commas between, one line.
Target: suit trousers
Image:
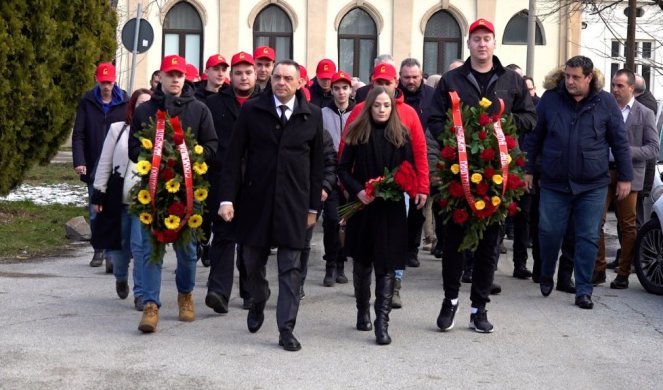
[(222, 258), (625, 212), (290, 280)]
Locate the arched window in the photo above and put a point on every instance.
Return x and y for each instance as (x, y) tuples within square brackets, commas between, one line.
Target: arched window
[(515, 32), (357, 43), (442, 42), (273, 28), (183, 33)]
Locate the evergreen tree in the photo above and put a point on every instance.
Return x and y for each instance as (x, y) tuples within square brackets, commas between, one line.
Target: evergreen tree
[(48, 53)]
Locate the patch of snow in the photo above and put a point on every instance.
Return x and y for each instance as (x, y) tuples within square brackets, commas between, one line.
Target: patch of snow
[(73, 194)]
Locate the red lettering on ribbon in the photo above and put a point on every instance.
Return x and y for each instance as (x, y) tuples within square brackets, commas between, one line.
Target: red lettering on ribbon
[(462, 150), (156, 154), (504, 150)]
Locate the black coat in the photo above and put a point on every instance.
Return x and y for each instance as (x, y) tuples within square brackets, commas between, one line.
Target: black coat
[(319, 97), (282, 179), (91, 127), (421, 100), (192, 114), (376, 234)]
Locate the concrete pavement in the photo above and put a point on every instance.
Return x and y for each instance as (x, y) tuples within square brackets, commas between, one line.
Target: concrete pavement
[(62, 326)]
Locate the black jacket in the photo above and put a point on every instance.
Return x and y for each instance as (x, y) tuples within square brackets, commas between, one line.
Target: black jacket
[(505, 84), (282, 180), (421, 100), (319, 97), (192, 113), (91, 127)]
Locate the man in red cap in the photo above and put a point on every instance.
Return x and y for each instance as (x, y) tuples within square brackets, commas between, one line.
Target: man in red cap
[(192, 74), (482, 75), (321, 89), (264, 58), (225, 107), (175, 97), (106, 103), (215, 69)]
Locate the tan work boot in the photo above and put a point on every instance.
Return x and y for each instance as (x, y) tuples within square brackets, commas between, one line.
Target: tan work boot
[(148, 323), (187, 311)]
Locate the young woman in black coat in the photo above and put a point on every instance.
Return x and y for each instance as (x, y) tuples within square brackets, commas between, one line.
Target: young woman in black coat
[(376, 236)]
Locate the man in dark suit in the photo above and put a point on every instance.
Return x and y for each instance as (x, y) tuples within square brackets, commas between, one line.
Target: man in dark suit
[(643, 139), (277, 195)]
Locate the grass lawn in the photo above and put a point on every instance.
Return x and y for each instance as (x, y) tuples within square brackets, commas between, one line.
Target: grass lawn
[(52, 174)]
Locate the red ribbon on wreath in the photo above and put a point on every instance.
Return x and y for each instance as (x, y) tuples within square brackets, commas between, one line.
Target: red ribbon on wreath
[(462, 148), (178, 137)]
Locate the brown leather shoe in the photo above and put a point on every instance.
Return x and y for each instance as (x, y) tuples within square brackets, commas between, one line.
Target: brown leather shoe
[(148, 323), (187, 311)]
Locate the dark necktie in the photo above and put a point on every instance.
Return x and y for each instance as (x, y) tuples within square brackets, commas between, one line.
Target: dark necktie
[(284, 119)]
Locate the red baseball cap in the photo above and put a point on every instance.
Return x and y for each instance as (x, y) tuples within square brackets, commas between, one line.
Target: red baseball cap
[(214, 60), (326, 69), (264, 52), (482, 23), (240, 57), (191, 72), (105, 73), (341, 76), (173, 63), (304, 74), (384, 72)]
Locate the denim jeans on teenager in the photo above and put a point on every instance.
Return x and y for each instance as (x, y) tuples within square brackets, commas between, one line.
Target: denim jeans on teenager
[(554, 210), (185, 273), (132, 246), (91, 210)]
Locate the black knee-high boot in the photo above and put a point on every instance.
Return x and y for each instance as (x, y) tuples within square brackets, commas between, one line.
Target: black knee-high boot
[(361, 278), (384, 292)]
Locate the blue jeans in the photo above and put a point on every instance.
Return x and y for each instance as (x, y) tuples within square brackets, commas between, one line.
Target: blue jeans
[(185, 273), (132, 246), (554, 211), (91, 211)]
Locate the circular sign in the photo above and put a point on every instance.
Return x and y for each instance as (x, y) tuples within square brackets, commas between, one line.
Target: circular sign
[(145, 35)]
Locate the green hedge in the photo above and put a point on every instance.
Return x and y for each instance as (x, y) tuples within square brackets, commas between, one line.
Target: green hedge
[(48, 53)]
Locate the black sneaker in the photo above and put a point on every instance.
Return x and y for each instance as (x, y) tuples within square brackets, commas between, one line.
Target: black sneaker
[(479, 322), (97, 259), (445, 321), (122, 289), (413, 261)]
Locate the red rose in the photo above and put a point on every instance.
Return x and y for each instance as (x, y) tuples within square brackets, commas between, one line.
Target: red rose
[(171, 163), (488, 154), (482, 135), (167, 174), (496, 117), (460, 216), (176, 208), (514, 182), (166, 236), (511, 142), (371, 185), (452, 129), (520, 161), (406, 178), (442, 203), (448, 153), (489, 172), (178, 138), (482, 188), (512, 209), (456, 189), (484, 119), (440, 166)]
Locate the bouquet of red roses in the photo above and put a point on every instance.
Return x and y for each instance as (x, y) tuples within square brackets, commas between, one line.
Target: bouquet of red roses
[(480, 169), (170, 198), (389, 186)]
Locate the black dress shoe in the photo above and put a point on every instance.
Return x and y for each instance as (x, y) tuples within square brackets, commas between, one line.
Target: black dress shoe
[(584, 302), (620, 283), (437, 252), (598, 277), (246, 304), (522, 273), (122, 289), (216, 302), (256, 316), (567, 287), (546, 285), (413, 262), (495, 289), (289, 342)]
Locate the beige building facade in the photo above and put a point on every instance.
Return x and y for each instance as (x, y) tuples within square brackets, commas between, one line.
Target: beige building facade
[(349, 32)]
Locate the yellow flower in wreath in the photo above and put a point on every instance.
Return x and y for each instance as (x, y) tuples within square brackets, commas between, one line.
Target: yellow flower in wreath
[(198, 149), (509, 158), (172, 186), (497, 179), (144, 197), (147, 144), (200, 168), (143, 167), (146, 218), (485, 103), (476, 178), (172, 222), (195, 221), (455, 169), (200, 194), (480, 205), (495, 200)]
